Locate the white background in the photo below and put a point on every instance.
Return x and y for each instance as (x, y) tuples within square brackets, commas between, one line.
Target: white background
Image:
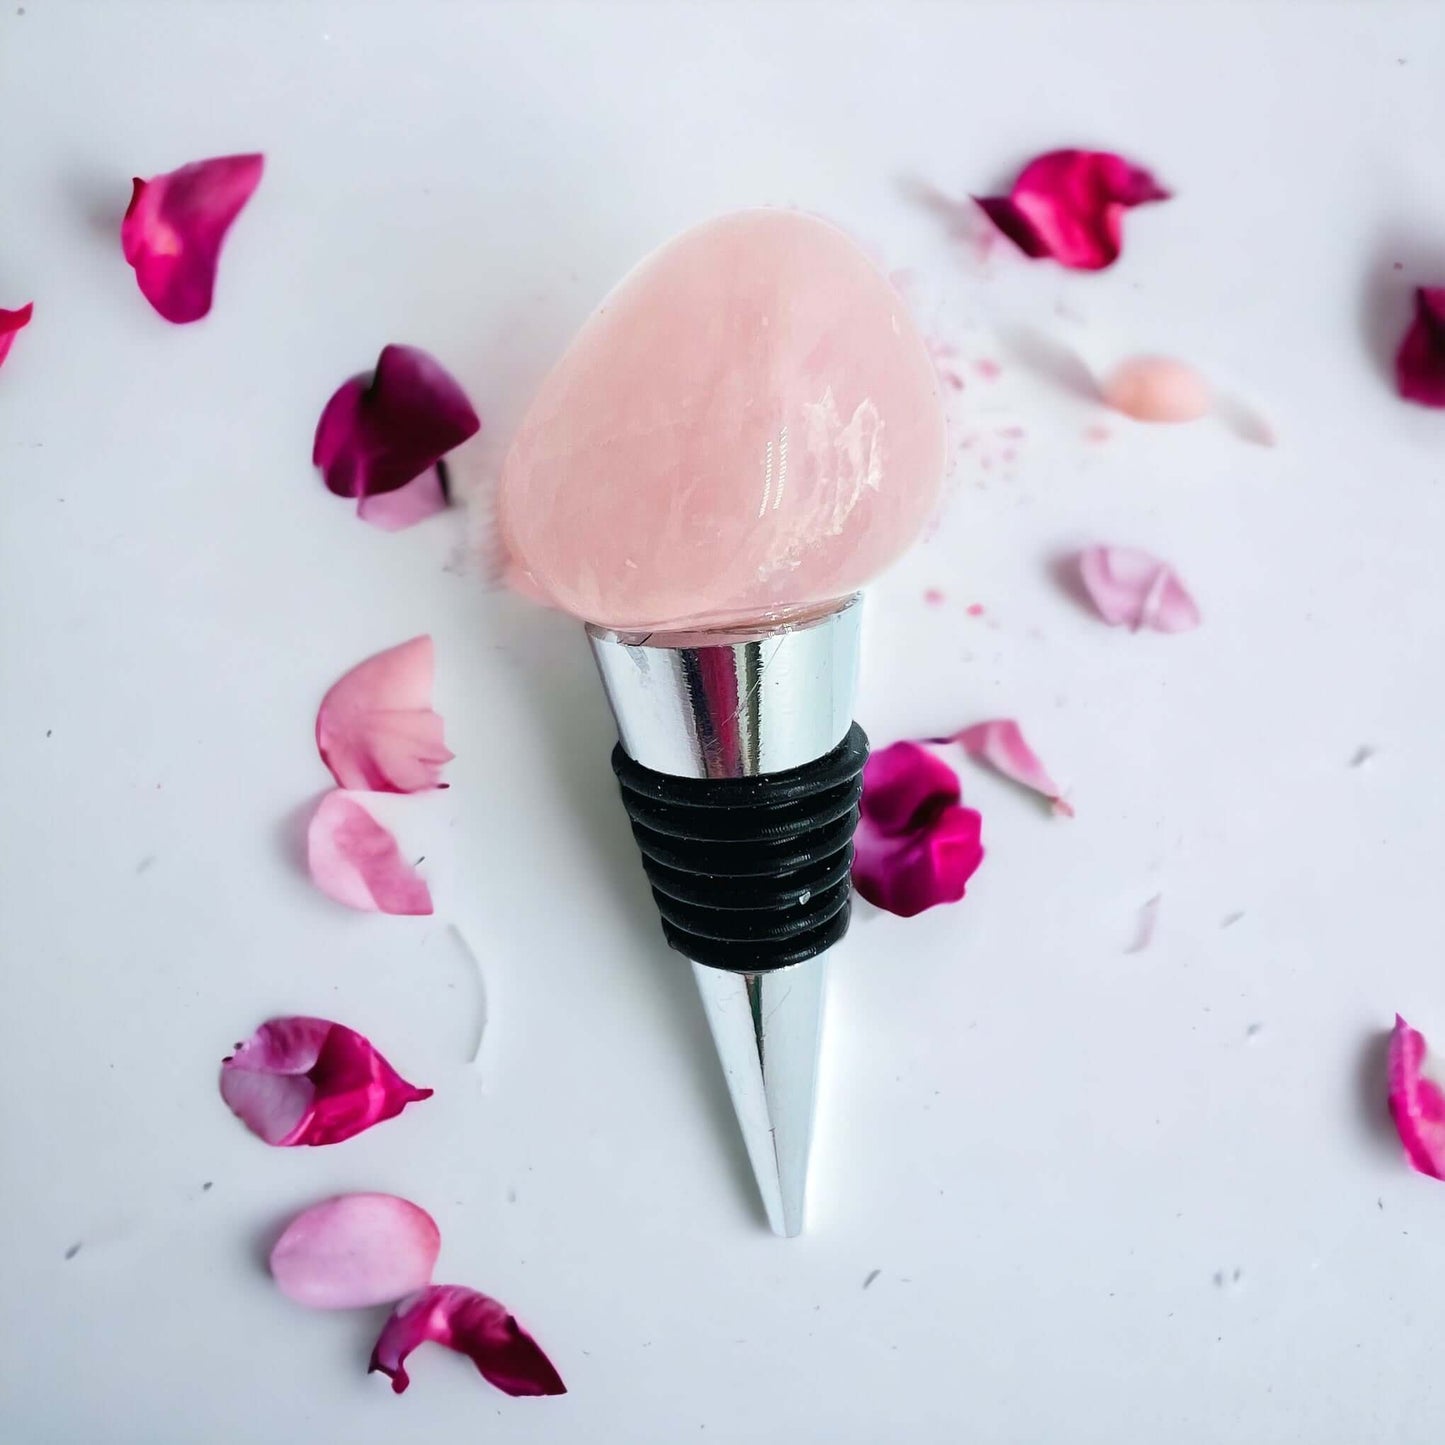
[(1113, 1196)]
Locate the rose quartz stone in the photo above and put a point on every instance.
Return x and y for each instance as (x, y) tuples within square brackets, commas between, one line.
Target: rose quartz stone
[(748, 427), (1158, 389)]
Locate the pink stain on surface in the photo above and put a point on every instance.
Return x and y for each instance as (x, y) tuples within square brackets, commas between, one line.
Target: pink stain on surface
[(988, 369)]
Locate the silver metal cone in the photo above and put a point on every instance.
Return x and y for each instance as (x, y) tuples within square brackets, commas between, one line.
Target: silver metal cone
[(736, 704), (768, 1028)]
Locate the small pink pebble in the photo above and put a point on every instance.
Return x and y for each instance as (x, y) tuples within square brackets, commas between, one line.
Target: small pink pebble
[(974, 609), (1157, 389)]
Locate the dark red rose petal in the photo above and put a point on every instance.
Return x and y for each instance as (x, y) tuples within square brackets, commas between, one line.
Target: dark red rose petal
[(174, 227), (1069, 206), (310, 1081), (473, 1325), (378, 432), (1420, 362)]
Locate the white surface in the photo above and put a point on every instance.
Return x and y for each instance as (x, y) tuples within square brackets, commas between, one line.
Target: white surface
[(1101, 1209)]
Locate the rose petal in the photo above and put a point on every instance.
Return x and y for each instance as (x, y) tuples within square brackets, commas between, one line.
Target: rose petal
[(12, 322), (376, 729), (473, 1325), (356, 1250), (904, 785), (420, 498), (1417, 1101), (311, 1081), (377, 433), (1157, 389), (174, 227), (354, 860), (1131, 588), (916, 846), (1001, 745), (1069, 205), (1420, 362)]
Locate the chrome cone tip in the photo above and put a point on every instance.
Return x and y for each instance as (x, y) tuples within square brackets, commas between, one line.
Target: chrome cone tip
[(767, 1028)]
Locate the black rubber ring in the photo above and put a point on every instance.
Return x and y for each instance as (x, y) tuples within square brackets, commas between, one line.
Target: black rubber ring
[(743, 957), (784, 891), (750, 874)]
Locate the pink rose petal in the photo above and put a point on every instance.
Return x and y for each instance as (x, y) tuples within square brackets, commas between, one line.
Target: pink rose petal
[(379, 432), (420, 498), (1417, 1101), (174, 227), (1157, 389), (916, 846), (1069, 206), (1131, 588), (12, 322), (1420, 362), (356, 1250), (354, 860), (1001, 745), (376, 729), (473, 1325), (311, 1081)]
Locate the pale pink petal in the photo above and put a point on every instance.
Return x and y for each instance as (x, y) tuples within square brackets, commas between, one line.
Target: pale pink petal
[(310, 1081), (356, 1250), (174, 227), (1157, 389), (1420, 362), (1001, 745), (376, 729), (474, 1325), (11, 323), (1148, 922), (1131, 588), (419, 499), (354, 860), (379, 432), (1069, 206), (916, 846), (1417, 1100)]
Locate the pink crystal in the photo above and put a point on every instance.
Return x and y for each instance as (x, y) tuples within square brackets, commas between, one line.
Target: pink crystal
[(1158, 389), (749, 426)]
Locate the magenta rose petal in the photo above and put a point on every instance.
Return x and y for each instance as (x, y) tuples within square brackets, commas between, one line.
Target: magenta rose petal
[(1001, 744), (379, 432), (11, 324), (376, 729), (1131, 588), (1417, 1100), (916, 845), (175, 225), (473, 1325), (354, 860), (356, 1250), (1069, 206), (310, 1081), (1420, 362)]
